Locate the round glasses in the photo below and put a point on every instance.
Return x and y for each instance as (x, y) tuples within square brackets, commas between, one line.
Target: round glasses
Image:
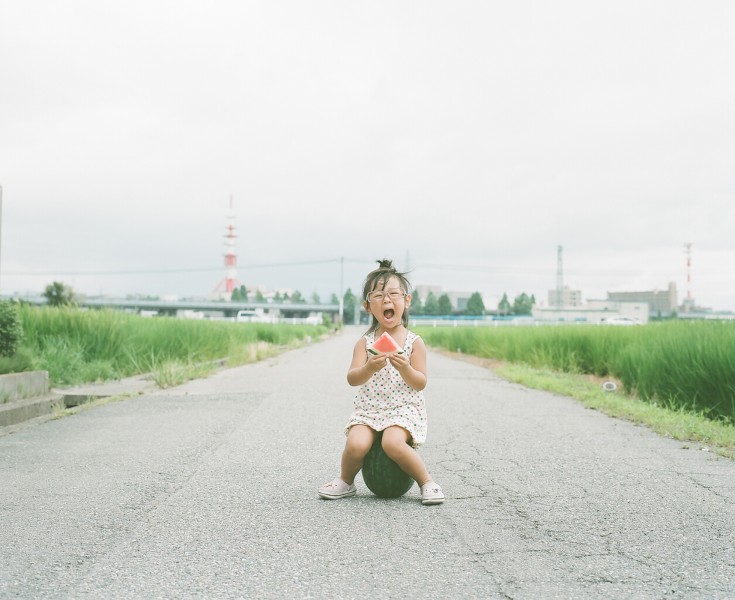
[(379, 295)]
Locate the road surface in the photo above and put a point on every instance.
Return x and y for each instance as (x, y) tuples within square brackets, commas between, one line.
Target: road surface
[(208, 490)]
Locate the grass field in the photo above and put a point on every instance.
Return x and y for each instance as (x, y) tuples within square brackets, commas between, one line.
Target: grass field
[(680, 365), (77, 346)]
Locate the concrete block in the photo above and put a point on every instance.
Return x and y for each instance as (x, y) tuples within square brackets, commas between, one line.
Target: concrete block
[(12, 413), (16, 386)]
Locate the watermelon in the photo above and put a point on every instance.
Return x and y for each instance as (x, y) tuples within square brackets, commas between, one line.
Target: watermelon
[(383, 476), (385, 344)]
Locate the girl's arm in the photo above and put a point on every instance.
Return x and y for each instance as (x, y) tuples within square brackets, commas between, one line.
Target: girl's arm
[(363, 365), (413, 372)]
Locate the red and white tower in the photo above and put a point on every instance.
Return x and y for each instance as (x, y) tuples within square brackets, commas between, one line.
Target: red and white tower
[(225, 287)]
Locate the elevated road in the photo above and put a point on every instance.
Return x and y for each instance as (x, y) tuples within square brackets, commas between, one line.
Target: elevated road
[(172, 306)]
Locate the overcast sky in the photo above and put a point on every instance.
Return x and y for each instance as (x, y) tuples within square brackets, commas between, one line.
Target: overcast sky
[(465, 139)]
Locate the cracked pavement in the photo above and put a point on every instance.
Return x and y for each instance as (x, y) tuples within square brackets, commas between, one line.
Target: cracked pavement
[(208, 490)]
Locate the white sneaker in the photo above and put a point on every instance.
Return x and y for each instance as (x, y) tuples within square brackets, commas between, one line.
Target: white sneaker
[(431, 493), (337, 489)]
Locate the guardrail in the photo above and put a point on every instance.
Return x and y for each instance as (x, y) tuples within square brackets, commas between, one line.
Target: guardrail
[(440, 321)]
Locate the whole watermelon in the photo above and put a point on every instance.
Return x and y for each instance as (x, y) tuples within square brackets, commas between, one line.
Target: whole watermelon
[(382, 476)]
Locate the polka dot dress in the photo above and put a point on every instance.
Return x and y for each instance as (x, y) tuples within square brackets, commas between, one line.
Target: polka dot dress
[(385, 400)]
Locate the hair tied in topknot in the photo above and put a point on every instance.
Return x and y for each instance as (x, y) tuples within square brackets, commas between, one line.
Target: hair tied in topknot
[(379, 277)]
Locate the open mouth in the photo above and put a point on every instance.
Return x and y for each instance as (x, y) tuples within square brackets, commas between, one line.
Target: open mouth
[(388, 314)]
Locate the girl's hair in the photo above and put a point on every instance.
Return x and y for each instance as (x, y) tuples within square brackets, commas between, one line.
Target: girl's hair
[(377, 278)]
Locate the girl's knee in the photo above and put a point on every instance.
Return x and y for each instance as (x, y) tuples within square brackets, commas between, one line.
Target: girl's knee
[(359, 443), (395, 440), (357, 448)]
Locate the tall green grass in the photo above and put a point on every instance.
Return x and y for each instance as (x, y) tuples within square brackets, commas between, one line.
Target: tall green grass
[(684, 365), (77, 346)]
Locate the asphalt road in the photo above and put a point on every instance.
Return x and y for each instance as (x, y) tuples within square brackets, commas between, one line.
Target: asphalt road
[(209, 491)]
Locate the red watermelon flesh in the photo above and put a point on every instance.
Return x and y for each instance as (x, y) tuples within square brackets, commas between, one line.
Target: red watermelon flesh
[(385, 344)]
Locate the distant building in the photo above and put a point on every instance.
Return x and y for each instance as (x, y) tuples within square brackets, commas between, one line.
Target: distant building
[(459, 300), (424, 290), (569, 298), (595, 311), (660, 302)]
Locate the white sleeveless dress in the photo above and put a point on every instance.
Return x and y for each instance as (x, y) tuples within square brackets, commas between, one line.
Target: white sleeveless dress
[(385, 400)]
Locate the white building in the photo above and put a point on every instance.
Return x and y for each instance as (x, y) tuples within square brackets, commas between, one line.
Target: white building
[(569, 298), (595, 311)]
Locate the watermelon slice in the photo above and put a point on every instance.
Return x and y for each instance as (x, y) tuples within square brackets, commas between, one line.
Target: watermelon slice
[(385, 344)]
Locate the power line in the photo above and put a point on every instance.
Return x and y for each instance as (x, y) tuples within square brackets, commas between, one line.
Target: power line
[(164, 271), (417, 266)]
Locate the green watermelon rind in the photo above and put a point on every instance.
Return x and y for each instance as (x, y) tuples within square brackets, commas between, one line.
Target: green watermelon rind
[(381, 475), (376, 352)]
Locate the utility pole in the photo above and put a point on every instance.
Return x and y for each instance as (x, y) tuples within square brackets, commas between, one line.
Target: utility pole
[(688, 249), (1, 223), (340, 318), (559, 278)]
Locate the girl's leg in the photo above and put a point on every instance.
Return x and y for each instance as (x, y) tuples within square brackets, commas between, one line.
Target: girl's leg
[(360, 439), (395, 444)]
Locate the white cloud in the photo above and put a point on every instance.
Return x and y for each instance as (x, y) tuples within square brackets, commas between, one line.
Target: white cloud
[(473, 135)]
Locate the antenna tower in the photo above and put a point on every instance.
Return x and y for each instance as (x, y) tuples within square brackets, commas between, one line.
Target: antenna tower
[(559, 278), (225, 287)]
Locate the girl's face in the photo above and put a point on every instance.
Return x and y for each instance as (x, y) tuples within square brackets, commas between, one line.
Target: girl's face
[(387, 301)]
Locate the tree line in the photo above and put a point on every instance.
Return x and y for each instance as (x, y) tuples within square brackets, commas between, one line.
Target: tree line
[(296, 297), (58, 294), (522, 305)]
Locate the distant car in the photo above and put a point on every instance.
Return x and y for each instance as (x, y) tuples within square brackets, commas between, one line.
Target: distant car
[(251, 316), (620, 321)]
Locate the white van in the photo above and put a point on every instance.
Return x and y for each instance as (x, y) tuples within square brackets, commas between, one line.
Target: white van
[(251, 316)]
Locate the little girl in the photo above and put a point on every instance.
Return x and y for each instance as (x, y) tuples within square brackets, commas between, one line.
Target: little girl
[(390, 398)]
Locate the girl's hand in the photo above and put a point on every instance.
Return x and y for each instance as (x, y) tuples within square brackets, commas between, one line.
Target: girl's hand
[(399, 361), (376, 362)]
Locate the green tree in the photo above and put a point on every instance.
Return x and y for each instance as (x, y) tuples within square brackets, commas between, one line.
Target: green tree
[(334, 299), (58, 294), (348, 309), (240, 294), (297, 298), (445, 305), (504, 305), (522, 305), (475, 305), (431, 306), (416, 307), (259, 297), (315, 299), (11, 329)]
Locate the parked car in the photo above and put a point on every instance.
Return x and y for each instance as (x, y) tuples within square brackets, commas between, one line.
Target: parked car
[(252, 316), (620, 321)]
